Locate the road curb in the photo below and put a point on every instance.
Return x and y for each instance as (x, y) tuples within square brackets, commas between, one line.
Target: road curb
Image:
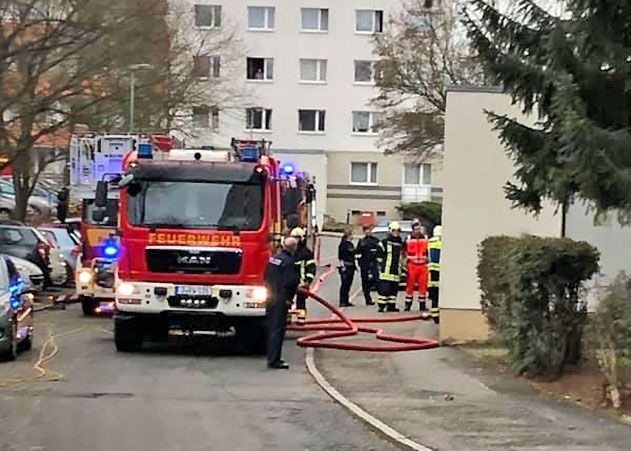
[(376, 424)]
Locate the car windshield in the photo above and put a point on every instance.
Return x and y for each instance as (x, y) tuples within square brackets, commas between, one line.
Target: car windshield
[(216, 205), (111, 212)]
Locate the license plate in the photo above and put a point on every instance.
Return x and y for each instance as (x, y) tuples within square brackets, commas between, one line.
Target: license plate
[(194, 290)]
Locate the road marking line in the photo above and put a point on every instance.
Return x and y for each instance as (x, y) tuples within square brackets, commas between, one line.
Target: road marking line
[(358, 411)]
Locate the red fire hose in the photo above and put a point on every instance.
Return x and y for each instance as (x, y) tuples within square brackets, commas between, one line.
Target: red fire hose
[(341, 326)]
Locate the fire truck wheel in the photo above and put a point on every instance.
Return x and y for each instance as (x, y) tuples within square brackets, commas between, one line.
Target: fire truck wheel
[(127, 333), (88, 305), (253, 338)]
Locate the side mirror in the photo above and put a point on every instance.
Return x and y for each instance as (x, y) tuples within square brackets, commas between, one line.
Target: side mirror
[(98, 216), (100, 198)]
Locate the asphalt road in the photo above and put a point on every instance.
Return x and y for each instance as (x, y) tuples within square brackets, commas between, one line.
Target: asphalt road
[(168, 397)]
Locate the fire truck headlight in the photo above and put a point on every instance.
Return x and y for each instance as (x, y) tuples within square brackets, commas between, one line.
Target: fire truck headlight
[(259, 294), (126, 289), (85, 276)]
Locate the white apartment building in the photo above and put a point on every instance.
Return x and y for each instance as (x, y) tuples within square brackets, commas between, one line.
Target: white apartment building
[(307, 69)]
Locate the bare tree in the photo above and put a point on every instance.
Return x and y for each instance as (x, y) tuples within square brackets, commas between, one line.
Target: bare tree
[(68, 62), (422, 51)]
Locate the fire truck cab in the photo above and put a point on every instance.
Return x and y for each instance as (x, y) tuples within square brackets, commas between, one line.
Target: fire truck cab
[(197, 229)]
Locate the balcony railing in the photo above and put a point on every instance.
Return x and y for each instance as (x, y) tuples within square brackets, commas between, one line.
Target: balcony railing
[(416, 193)]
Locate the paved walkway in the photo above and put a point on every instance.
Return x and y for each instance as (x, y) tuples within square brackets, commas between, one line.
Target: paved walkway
[(441, 399)]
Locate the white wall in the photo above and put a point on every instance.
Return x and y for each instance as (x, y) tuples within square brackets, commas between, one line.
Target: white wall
[(476, 168)]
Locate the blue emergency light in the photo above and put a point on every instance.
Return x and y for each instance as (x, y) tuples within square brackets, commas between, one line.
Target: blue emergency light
[(249, 155), (287, 169), (145, 150), (110, 249)]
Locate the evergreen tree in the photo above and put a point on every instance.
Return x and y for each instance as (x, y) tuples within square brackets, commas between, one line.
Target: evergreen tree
[(573, 71)]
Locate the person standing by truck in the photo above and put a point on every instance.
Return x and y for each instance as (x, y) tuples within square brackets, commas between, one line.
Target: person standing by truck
[(346, 267), (366, 254), (306, 267), (281, 279)]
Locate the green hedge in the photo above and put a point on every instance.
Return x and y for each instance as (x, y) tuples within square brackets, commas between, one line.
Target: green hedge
[(428, 212), (532, 297)]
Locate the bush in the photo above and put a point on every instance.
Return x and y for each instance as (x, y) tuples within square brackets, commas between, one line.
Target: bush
[(429, 213), (532, 297), (610, 335)]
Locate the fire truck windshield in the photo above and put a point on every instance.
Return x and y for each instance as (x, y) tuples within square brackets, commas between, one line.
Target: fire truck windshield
[(202, 205)]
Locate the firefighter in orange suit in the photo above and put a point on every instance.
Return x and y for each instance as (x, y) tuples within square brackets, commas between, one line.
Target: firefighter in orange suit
[(415, 248)]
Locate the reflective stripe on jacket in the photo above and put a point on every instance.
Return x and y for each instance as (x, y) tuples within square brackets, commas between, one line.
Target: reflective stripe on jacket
[(389, 258), (433, 251)]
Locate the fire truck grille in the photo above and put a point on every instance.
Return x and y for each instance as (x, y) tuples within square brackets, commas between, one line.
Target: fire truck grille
[(192, 261), (193, 302)]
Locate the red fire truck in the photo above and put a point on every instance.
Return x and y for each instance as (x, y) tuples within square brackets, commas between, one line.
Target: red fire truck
[(196, 232)]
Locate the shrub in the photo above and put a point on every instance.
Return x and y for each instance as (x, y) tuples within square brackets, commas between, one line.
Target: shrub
[(532, 297), (429, 213), (610, 335)]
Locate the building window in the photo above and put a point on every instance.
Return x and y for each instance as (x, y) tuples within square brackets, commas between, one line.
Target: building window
[(201, 117), (260, 68), (208, 16), (315, 19), (365, 71), (366, 122), (312, 70), (368, 21), (205, 66), (417, 174), (258, 119), (261, 17), (311, 120), (365, 173)]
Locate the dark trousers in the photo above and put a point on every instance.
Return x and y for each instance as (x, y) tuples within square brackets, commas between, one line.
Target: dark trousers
[(433, 294), (301, 301), (276, 326), (369, 277), (347, 273), (388, 291)]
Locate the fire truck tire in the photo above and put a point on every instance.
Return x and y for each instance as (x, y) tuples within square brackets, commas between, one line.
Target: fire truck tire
[(128, 335), (88, 305), (253, 338)]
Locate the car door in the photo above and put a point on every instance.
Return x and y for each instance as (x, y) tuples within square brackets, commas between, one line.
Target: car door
[(17, 287)]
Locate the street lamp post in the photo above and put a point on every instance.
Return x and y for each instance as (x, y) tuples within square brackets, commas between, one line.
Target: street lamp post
[(132, 91)]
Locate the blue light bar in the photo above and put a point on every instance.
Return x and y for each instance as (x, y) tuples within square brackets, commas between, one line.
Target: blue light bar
[(145, 150), (110, 249), (287, 169), (250, 154)]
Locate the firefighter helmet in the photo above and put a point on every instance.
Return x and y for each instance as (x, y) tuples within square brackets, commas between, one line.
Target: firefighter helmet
[(297, 233), (394, 225), (438, 231)]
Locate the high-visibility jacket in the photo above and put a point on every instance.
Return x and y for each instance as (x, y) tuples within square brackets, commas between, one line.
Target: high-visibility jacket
[(389, 255), (416, 250), (433, 250), (305, 264)]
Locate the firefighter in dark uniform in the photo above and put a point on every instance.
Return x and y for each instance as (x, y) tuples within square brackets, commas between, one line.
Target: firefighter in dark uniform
[(281, 279), (366, 254), (389, 256), (346, 268), (306, 267)]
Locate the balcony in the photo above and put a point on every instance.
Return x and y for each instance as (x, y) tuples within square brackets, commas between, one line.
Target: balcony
[(416, 193)]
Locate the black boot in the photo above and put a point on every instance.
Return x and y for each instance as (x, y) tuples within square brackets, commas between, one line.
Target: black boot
[(422, 305), (381, 308), (408, 306), (393, 308)]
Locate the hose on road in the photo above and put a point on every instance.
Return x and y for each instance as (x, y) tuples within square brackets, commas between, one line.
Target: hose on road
[(341, 326)]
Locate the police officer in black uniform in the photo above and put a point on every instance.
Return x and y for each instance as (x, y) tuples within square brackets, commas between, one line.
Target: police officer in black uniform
[(346, 267), (366, 254), (282, 281)]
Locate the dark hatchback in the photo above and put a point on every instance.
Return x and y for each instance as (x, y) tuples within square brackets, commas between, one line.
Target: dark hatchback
[(16, 312), (26, 243)]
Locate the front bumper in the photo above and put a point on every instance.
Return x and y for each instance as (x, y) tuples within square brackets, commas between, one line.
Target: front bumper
[(155, 298)]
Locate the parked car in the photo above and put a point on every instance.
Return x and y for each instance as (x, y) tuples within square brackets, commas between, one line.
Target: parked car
[(7, 204), (24, 242), (36, 203), (68, 244), (32, 275), (59, 273), (16, 312)]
